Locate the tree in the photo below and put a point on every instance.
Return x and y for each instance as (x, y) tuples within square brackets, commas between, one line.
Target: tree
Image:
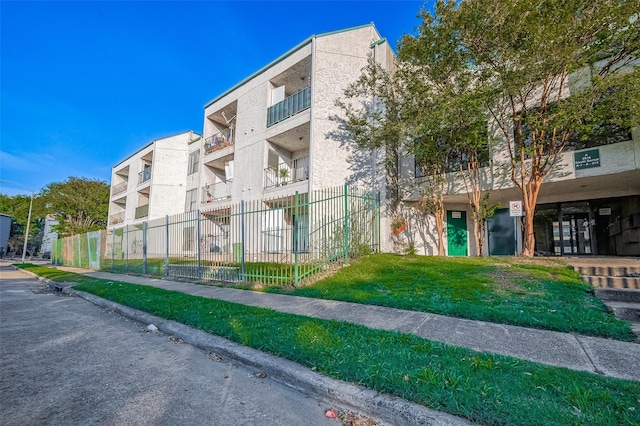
[(377, 117), (80, 205), (445, 103), (372, 119), (560, 71), (420, 113)]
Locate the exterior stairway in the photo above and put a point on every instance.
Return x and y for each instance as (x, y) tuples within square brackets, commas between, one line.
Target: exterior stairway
[(616, 282)]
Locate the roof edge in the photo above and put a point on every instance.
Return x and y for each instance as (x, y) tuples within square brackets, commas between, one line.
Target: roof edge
[(152, 142), (283, 57)]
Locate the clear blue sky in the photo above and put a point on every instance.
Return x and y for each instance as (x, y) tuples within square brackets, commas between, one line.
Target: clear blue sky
[(85, 84)]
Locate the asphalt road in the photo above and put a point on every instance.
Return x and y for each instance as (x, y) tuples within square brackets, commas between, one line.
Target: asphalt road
[(65, 361)]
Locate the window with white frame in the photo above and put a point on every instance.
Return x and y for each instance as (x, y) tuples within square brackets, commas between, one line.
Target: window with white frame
[(194, 162), (191, 200)]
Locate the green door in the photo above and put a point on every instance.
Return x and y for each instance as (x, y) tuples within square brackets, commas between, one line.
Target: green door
[(457, 232)]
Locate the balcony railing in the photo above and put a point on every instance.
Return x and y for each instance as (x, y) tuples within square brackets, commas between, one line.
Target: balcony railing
[(292, 171), (217, 142), (142, 211), (144, 175), (119, 188), (116, 218), (217, 191), (288, 107)]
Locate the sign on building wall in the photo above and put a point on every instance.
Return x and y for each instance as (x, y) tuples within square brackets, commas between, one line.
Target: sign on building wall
[(515, 208), (586, 159)]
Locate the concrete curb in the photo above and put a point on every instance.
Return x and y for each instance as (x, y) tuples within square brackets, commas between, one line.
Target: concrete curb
[(386, 409)]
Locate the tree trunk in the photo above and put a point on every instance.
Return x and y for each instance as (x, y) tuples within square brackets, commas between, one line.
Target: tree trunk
[(439, 215), (529, 204), (477, 233), (529, 243)]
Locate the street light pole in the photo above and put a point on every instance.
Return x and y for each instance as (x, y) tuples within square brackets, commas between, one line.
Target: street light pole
[(26, 234)]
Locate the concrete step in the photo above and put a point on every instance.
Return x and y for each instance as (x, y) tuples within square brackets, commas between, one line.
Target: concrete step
[(613, 282), (618, 294), (609, 271), (625, 310)]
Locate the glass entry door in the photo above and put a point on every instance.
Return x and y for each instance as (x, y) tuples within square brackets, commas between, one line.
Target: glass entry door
[(575, 229)]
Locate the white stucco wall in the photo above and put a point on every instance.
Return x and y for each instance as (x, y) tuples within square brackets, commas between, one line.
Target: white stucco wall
[(168, 184), (336, 60), (339, 60)]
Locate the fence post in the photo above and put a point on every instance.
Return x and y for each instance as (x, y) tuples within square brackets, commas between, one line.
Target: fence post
[(379, 235), (199, 239), (144, 247), (346, 225), (126, 249), (113, 248), (79, 252), (166, 255), (296, 223), (243, 269)]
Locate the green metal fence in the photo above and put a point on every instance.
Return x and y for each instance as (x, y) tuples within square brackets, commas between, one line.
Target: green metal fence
[(275, 241)]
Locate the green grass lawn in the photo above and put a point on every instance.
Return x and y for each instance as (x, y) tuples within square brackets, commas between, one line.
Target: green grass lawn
[(502, 290), (485, 388)]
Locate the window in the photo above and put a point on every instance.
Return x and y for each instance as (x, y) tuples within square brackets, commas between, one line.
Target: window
[(194, 162), (191, 200), (603, 134), (188, 238), (591, 134), (454, 159)]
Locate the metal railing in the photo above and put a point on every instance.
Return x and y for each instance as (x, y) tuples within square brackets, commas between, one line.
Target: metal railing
[(142, 211), (119, 188), (144, 175), (289, 107), (273, 241), (217, 191), (292, 171), (217, 142)]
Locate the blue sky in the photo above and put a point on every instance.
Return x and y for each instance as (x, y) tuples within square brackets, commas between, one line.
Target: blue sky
[(85, 84)]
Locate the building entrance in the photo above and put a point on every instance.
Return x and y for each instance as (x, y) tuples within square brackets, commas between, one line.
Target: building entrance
[(605, 227), (574, 230)]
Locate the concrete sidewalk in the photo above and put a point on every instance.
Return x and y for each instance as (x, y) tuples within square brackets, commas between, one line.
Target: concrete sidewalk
[(597, 355)]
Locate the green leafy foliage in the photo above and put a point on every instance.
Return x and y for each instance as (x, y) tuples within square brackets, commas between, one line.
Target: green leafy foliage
[(80, 205), (547, 71), (549, 75)]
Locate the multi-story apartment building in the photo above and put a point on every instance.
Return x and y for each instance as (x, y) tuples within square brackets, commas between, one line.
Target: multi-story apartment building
[(151, 183), (275, 133), (271, 136)]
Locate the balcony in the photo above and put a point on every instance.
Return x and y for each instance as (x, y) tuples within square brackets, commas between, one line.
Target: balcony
[(216, 143), (116, 218), (289, 107), (119, 188), (292, 171), (142, 211), (217, 191), (144, 175)]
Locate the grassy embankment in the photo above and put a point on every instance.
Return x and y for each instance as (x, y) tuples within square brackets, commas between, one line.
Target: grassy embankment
[(485, 388)]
